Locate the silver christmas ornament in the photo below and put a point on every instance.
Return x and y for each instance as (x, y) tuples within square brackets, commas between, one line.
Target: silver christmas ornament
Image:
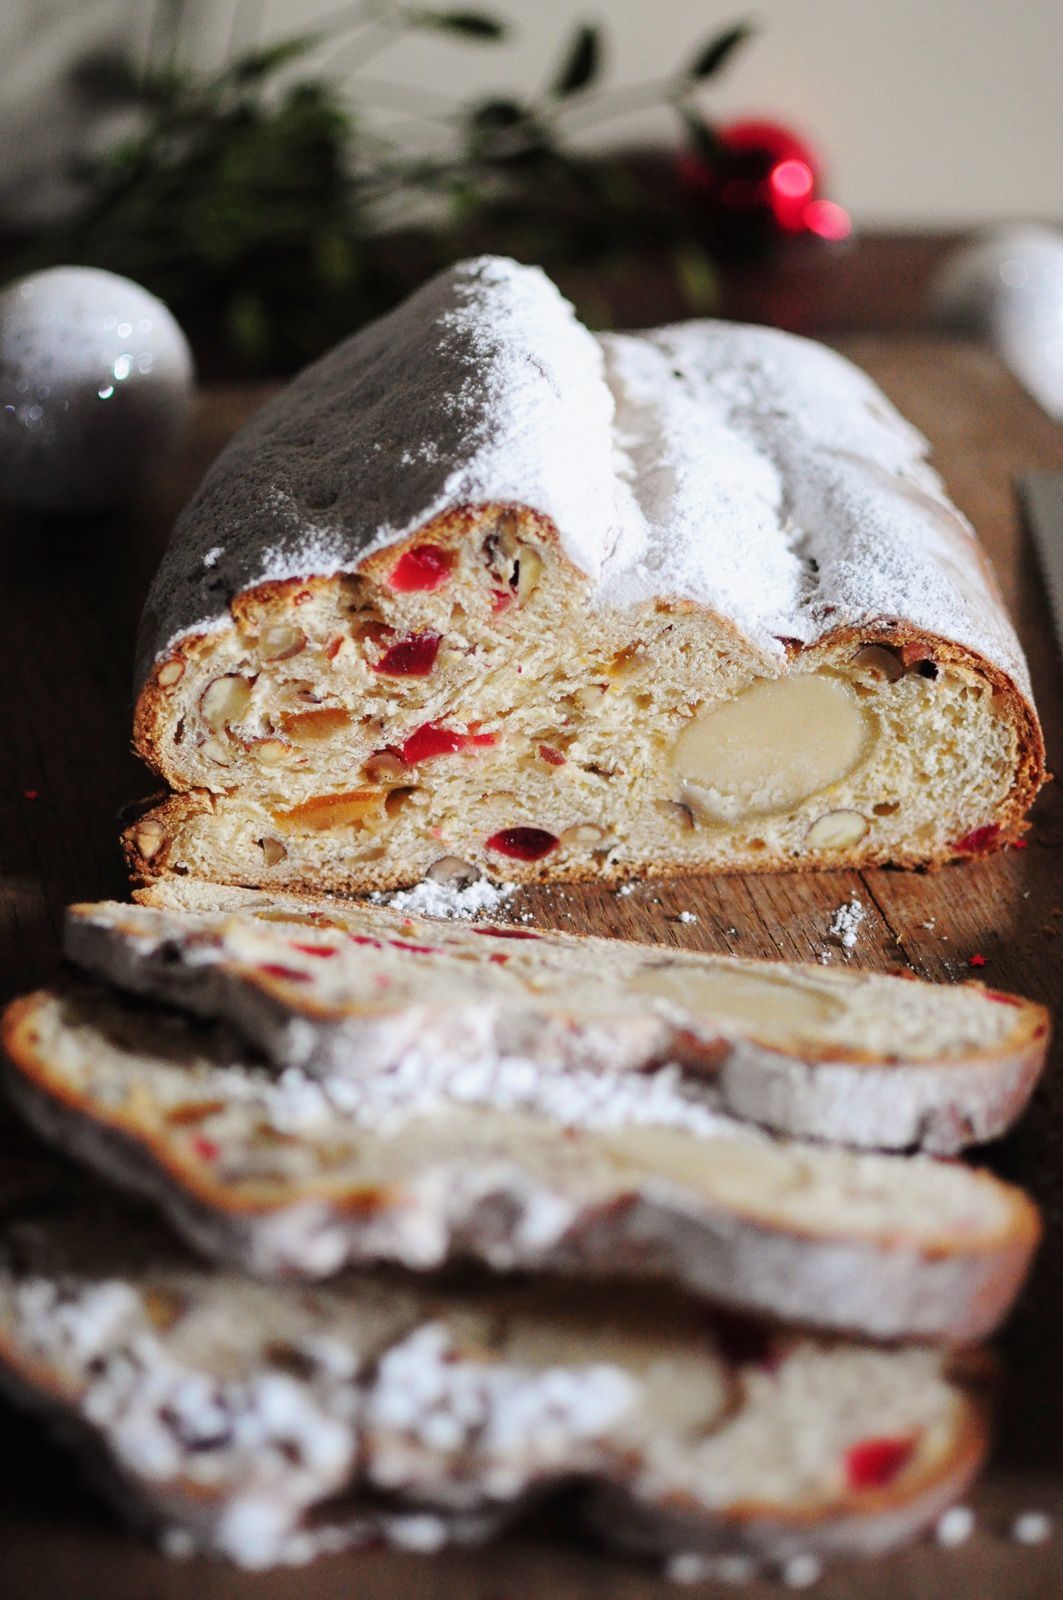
[(95, 386)]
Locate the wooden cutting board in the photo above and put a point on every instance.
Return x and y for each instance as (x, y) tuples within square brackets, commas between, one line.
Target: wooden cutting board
[(73, 592)]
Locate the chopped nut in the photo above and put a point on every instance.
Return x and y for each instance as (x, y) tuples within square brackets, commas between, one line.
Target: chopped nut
[(529, 571), (273, 851), (678, 813), (170, 672), (215, 751), (880, 660), (837, 830), (397, 800), (279, 642), (453, 871), (385, 767), (271, 752), (224, 701), (779, 742), (582, 833), (150, 838)]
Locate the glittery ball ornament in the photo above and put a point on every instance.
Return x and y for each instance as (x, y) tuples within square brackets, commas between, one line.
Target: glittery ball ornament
[(95, 385)]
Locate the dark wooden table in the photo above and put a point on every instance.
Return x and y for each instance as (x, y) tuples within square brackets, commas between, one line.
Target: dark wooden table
[(72, 595)]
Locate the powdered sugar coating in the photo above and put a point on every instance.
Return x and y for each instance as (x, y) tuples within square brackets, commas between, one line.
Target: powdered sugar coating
[(745, 469)]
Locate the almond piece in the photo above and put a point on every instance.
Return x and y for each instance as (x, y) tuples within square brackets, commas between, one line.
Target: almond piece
[(224, 701), (880, 660), (150, 838), (385, 767), (280, 641), (837, 830), (774, 745), (271, 752), (454, 872), (272, 851), (529, 571), (215, 751), (170, 672), (678, 813), (582, 833)]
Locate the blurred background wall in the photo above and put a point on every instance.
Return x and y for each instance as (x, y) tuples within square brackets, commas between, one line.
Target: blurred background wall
[(927, 111)]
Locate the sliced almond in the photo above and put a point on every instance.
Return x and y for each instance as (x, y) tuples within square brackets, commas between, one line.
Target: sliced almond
[(218, 752), (837, 830), (679, 814), (776, 744), (169, 673), (385, 767), (224, 701), (272, 851), (454, 872)]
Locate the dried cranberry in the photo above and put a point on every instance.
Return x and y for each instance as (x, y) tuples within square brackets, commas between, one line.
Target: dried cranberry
[(980, 840), (421, 570), (412, 657), (874, 1463), (523, 844)]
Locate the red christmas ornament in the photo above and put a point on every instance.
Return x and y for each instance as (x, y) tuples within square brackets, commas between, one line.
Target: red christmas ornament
[(764, 184)]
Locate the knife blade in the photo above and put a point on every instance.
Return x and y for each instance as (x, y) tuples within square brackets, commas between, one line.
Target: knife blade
[(1042, 496)]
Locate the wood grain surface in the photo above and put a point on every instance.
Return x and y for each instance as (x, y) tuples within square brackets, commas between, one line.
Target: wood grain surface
[(73, 592)]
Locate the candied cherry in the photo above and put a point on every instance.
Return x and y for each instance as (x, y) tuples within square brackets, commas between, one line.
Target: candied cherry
[(421, 570), (412, 657), (875, 1463), (523, 844)]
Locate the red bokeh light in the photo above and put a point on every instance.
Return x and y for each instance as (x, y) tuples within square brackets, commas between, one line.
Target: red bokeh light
[(827, 219)]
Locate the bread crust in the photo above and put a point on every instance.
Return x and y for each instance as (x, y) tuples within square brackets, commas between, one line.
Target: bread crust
[(836, 1093), (956, 1288)]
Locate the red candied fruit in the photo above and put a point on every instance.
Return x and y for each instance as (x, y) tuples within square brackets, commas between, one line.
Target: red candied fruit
[(412, 657), (506, 933), (363, 938), (980, 840), (523, 844), (431, 740), (322, 951), (205, 1148), (500, 601), (550, 753), (274, 969), (874, 1463), (421, 570)]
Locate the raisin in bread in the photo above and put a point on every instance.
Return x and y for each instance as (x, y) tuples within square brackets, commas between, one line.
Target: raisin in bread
[(336, 988), (268, 1423), (479, 584), (295, 1176)]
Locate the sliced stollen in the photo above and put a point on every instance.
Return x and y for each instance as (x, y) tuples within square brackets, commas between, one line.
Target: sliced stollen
[(267, 1423), (480, 584), (335, 988), (631, 1177)]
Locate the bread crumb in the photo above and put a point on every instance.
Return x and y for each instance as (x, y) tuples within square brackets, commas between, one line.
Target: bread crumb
[(1032, 1527), (954, 1527)]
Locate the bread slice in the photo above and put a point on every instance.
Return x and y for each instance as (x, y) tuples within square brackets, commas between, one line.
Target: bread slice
[(356, 990), (480, 585), (296, 1176), (267, 1423)]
